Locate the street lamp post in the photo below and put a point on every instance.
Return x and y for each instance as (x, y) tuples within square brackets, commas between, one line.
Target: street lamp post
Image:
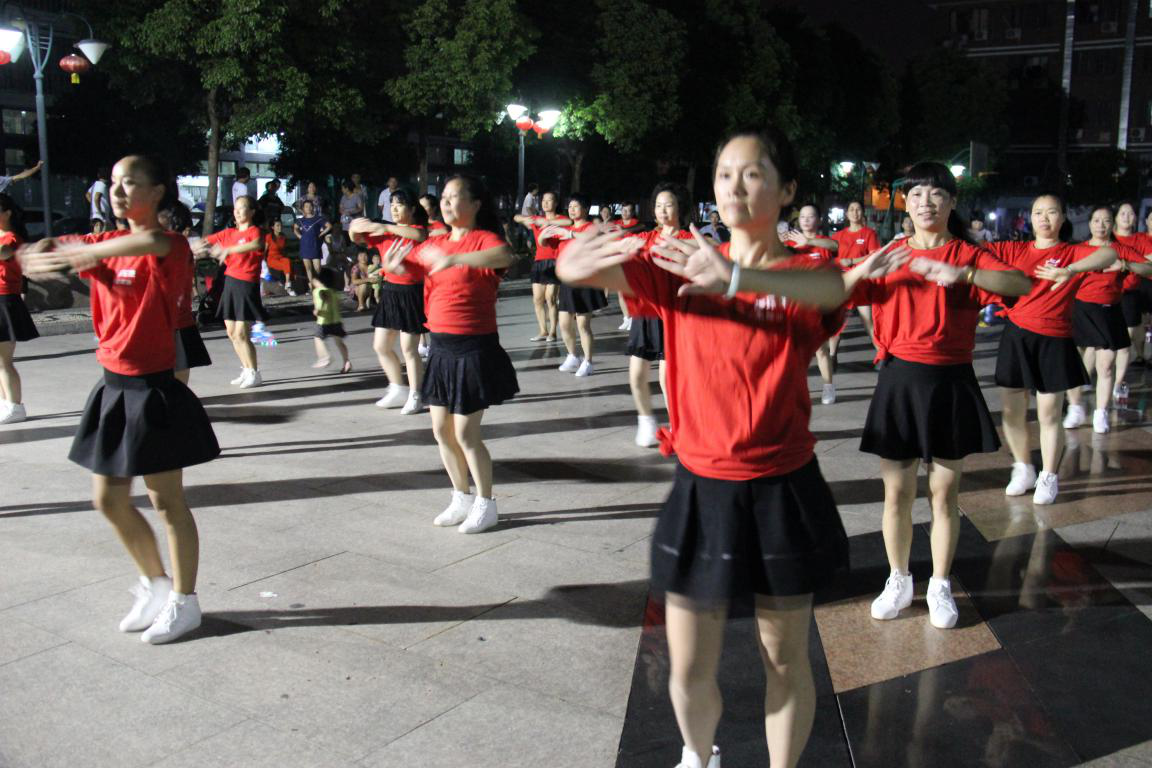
[(523, 121), (39, 35)]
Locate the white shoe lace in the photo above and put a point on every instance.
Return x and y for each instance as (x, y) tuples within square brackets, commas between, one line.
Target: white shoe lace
[(892, 588), (166, 618)]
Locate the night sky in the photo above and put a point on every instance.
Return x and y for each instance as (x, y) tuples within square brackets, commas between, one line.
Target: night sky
[(898, 29)]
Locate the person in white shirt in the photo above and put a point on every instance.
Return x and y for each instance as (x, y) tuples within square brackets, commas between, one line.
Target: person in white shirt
[(531, 201), (385, 201), (6, 181), (97, 196), (977, 231), (240, 186)]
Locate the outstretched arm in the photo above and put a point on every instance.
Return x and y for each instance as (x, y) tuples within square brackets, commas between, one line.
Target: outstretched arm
[(82, 256), (29, 172)]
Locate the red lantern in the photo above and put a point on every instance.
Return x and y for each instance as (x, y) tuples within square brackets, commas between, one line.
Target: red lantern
[(524, 122), (540, 130), (5, 58), (75, 64)]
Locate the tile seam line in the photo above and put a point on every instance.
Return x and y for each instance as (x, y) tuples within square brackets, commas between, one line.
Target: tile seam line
[(37, 653), (386, 744), (191, 744), (466, 558), (57, 594), (457, 624), (287, 570)]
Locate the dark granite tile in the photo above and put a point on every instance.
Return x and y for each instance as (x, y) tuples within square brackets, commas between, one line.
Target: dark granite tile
[(1095, 683), (973, 712)]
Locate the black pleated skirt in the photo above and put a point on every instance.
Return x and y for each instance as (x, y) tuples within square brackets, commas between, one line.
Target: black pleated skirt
[(330, 331), (142, 425), (401, 308), (466, 374), (720, 540), (240, 301), (581, 301), (1134, 304), (1028, 360), (1100, 326), (15, 321), (190, 349), (544, 272), (646, 338), (922, 411)]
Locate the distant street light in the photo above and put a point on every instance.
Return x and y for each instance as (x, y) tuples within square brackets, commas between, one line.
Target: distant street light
[(522, 119), (958, 170), (847, 166), (37, 32)]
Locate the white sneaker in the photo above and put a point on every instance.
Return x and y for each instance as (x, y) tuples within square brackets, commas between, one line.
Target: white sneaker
[(570, 364), (626, 325), (646, 429), (1046, 489), (151, 595), (586, 369), (423, 350), (394, 397), (1023, 479), (413, 405), (828, 396), (239, 379), (457, 511), (941, 607), (1100, 423), (253, 379), (897, 596), (689, 759), (180, 615), (1075, 417), (13, 414), (481, 517)]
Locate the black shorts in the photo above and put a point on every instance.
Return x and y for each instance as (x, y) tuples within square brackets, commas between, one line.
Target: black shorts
[(401, 308), (1134, 305), (241, 301), (1101, 326), (544, 272), (190, 349), (581, 301), (142, 425), (467, 373), (1028, 360), (15, 321), (922, 411), (720, 540), (334, 330)]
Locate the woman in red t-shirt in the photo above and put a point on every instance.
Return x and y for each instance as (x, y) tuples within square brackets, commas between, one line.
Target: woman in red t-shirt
[(436, 227), (750, 514), (626, 224), (1098, 326), (672, 209), (545, 286), (139, 420), (808, 240), (468, 371), (576, 303), (856, 240), (1137, 298), (1037, 352), (190, 350), (400, 314), (927, 407), (241, 248), (15, 321)]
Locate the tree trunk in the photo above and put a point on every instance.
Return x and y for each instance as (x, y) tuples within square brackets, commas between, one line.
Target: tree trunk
[(690, 183), (422, 160), (213, 165), (577, 161)]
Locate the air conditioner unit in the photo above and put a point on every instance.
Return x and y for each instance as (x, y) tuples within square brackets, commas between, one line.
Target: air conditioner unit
[(1109, 27), (1031, 181), (980, 35), (1137, 134), (1012, 33)]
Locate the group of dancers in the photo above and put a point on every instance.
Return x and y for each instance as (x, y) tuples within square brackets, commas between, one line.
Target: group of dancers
[(734, 327)]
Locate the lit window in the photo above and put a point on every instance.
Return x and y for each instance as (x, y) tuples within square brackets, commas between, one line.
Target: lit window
[(14, 158), (462, 157), (18, 122)]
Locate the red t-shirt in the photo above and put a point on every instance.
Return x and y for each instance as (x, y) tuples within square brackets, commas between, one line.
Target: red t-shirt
[(242, 266), (924, 322), (545, 249), (438, 228), (460, 299), (627, 223), (855, 245), (1142, 244), (1107, 287), (737, 373), (812, 252), (1043, 310), (134, 307), (636, 309), (414, 269), (11, 274)]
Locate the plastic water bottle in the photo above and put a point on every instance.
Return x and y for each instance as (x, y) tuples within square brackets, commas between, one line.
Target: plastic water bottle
[(1122, 396)]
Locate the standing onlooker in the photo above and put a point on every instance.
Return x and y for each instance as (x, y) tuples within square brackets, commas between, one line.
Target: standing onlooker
[(715, 228), (531, 204), (240, 185), (311, 228), (311, 195), (351, 203), (271, 203), (6, 181), (97, 197), (976, 229), (385, 201)]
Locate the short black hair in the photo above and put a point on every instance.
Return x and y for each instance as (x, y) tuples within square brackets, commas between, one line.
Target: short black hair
[(243, 173), (327, 277)]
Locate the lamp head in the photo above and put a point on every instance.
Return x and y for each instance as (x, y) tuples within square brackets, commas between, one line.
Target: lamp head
[(93, 49), (515, 110)]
